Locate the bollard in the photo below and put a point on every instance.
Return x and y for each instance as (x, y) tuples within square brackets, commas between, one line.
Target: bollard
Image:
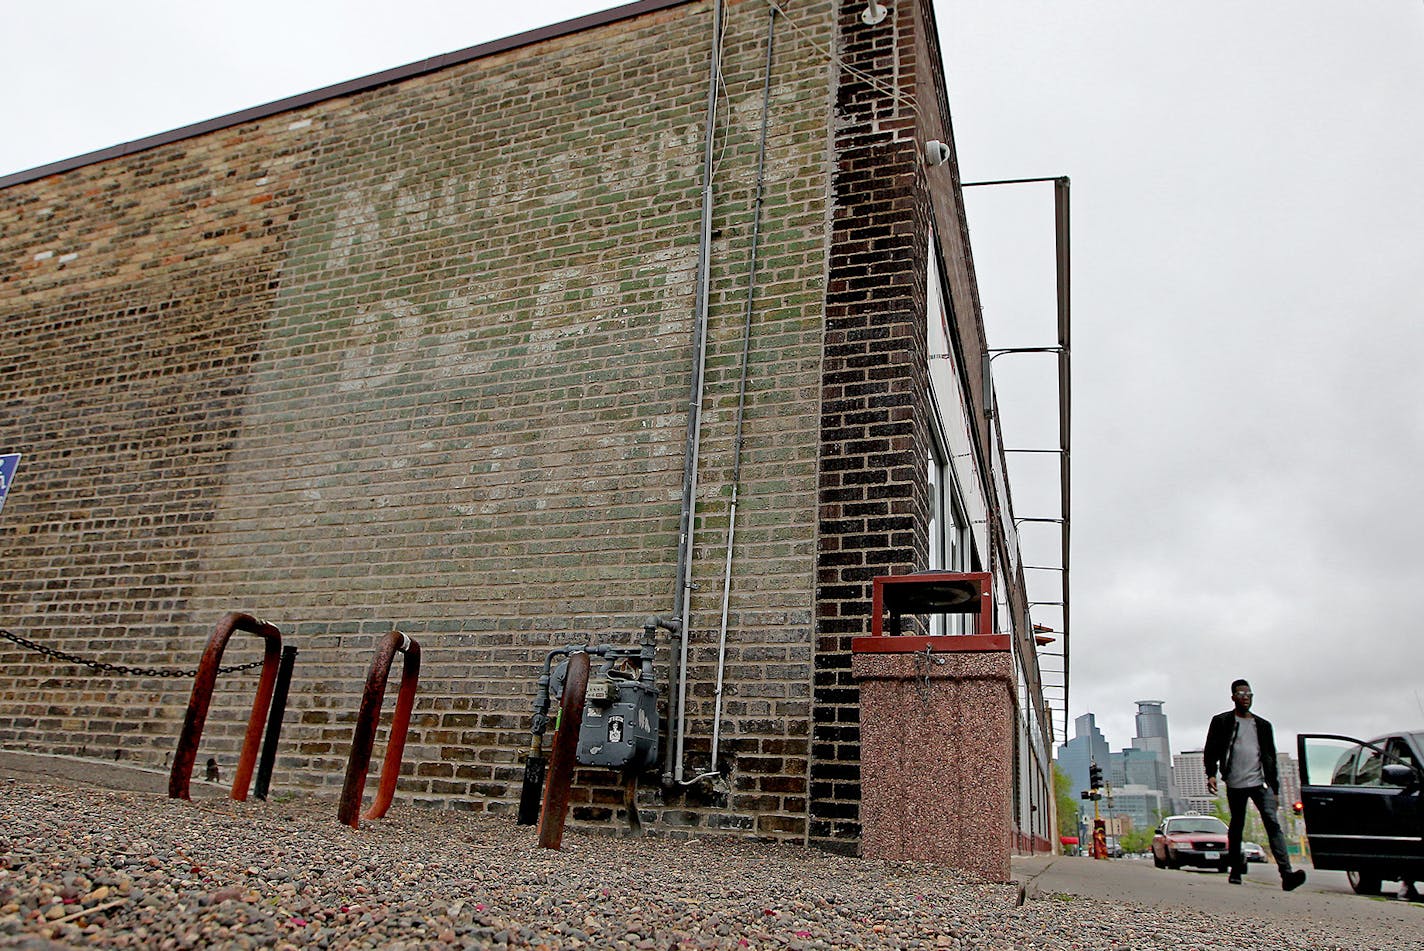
[(274, 723), (203, 683), (561, 760), (364, 735)]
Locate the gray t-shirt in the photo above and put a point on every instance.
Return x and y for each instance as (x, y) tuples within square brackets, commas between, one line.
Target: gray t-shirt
[(1244, 757)]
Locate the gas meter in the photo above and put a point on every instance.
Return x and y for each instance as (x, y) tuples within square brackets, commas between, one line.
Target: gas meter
[(619, 724), (620, 716)]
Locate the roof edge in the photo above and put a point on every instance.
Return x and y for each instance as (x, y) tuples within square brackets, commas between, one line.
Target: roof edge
[(349, 87)]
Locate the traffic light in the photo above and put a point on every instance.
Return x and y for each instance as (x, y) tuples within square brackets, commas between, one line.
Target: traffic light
[(1095, 776), (1298, 808)]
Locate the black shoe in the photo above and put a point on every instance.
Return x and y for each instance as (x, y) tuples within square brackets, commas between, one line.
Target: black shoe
[(1234, 878), (1290, 881)]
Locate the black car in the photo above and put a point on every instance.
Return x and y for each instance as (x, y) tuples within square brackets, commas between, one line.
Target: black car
[(1362, 806)]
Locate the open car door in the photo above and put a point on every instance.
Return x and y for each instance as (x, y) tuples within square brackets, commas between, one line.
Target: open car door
[(1361, 805)]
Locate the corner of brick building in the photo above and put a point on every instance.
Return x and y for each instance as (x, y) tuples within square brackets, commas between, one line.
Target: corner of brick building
[(873, 497)]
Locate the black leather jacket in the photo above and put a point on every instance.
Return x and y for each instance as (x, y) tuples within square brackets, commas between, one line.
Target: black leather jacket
[(1220, 737)]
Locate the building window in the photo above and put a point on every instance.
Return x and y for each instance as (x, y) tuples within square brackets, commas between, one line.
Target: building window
[(950, 544), (958, 504)]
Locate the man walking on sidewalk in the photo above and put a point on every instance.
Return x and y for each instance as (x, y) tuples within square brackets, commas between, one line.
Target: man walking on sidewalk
[(1244, 747)]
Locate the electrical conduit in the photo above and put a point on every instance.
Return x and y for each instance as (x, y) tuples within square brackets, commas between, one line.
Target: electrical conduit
[(712, 769), (672, 762)]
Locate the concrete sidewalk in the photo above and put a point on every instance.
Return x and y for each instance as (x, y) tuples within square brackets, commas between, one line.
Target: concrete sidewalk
[(1326, 895), (80, 771)]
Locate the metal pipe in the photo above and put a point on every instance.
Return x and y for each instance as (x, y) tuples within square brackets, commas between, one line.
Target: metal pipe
[(737, 440), (364, 734), (672, 765), (400, 726), (1014, 181), (261, 703), (562, 757), (275, 715), (721, 646), (535, 765), (199, 700), (1065, 393)]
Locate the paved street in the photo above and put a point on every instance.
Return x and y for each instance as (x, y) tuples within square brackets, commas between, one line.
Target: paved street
[(1326, 896)]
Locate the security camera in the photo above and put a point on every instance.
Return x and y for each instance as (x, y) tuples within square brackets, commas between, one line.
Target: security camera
[(936, 153)]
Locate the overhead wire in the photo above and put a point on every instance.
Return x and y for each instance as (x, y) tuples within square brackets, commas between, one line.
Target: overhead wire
[(722, 91), (869, 79)]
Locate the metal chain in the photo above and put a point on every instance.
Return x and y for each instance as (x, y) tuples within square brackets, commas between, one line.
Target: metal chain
[(115, 668), (922, 684)]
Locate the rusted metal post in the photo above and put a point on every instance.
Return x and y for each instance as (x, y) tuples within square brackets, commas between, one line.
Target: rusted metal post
[(274, 723), (202, 696), (561, 759), (630, 803), (359, 762), (400, 725)]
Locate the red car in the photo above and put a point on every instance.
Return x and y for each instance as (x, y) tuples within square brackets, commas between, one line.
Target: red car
[(1191, 840)]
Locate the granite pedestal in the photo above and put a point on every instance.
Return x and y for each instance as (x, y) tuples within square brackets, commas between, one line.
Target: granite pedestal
[(937, 735)]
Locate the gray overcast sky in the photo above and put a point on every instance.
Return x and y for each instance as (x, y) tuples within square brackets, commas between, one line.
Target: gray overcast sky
[(1248, 234)]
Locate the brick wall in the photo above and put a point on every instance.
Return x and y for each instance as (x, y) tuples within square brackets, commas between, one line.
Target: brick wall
[(874, 504), (420, 356), (873, 401)]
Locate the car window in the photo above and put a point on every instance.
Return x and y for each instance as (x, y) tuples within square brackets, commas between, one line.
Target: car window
[(1399, 751), (1344, 772), (1196, 824), (1359, 765), (1370, 764), (1340, 761)]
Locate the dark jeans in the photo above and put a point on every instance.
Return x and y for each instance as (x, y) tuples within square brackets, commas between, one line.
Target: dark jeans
[(1265, 801)]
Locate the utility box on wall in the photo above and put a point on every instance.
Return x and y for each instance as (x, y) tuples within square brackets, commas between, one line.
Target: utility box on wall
[(936, 727), (620, 723)]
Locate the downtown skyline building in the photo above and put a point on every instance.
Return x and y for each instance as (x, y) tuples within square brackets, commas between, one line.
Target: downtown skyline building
[(1146, 778), (1088, 746), (1144, 766), (1189, 778), (1135, 806)]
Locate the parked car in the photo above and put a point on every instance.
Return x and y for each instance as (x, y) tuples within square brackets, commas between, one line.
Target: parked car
[(1252, 852), (1190, 840), (1361, 802)]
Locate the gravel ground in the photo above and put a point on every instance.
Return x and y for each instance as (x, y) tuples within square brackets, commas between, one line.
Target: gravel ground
[(86, 867)]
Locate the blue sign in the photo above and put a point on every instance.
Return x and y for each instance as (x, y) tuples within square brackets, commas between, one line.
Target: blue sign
[(8, 464)]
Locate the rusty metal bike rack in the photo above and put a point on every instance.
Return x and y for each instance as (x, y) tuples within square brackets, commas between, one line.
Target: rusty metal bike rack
[(562, 757), (274, 723), (364, 735), (198, 703)]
